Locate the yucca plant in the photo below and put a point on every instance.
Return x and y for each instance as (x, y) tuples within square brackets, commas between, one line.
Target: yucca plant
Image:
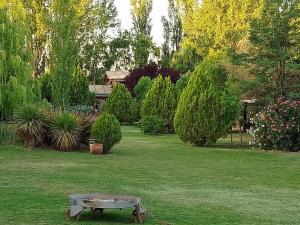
[(65, 132), (31, 125), (85, 121)]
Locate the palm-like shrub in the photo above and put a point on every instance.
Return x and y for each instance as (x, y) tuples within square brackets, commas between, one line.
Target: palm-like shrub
[(107, 131), (86, 121), (31, 125), (65, 132), (121, 104), (208, 105)]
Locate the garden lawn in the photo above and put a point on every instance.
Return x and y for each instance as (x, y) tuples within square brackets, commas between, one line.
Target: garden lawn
[(178, 183)]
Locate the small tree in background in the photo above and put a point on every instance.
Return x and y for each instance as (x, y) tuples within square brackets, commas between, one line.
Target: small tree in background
[(161, 101), (46, 87), (79, 92), (181, 84), (121, 104), (142, 88), (208, 106)]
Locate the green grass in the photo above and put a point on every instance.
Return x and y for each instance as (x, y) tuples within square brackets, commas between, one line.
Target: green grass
[(178, 183)]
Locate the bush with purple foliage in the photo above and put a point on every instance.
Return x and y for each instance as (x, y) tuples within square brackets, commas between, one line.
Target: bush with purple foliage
[(152, 70)]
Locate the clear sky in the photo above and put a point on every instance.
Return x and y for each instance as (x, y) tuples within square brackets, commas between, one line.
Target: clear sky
[(160, 8)]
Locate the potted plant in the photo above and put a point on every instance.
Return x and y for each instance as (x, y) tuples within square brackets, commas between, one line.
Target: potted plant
[(107, 131), (95, 148)]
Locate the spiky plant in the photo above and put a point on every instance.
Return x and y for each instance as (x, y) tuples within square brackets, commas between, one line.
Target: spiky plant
[(85, 121), (31, 125), (65, 132)]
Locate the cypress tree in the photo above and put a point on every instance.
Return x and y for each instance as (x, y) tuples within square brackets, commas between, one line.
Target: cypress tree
[(161, 101), (121, 104), (208, 105)]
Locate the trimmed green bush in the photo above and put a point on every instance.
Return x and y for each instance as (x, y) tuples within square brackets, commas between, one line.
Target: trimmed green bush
[(153, 125), (65, 131), (121, 104), (208, 106), (107, 131), (161, 101), (31, 125)]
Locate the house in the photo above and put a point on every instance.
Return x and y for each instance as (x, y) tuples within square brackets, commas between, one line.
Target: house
[(102, 91), (114, 77)]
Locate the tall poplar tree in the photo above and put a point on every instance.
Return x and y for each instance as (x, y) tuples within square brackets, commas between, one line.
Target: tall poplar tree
[(64, 49), (142, 43), (172, 32)]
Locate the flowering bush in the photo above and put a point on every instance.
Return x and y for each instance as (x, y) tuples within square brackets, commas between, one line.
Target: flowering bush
[(278, 126)]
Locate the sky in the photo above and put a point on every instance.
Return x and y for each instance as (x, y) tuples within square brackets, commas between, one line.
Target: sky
[(160, 8)]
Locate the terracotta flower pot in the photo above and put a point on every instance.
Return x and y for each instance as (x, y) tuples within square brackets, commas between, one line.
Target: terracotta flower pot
[(96, 149)]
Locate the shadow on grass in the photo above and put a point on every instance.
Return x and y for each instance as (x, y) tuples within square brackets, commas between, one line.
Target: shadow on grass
[(113, 217)]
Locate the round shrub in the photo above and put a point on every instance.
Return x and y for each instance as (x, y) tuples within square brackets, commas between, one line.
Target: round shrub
[(31, 125), (207, 107), (121, 104), (153, 125), (277, 127), (161, 101), (65, 131), (107, 131)]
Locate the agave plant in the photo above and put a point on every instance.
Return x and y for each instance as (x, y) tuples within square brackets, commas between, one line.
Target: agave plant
[(65, 132), (31, 125)]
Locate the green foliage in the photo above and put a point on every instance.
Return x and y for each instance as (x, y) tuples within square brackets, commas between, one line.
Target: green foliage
[(8, 134), (275, 38), (208, 105), (64, 49), (31, 125), (153, 125), (142, 87), (65, 131), (15, 71), (107, 131), (121, 104), (277, 126), (96, 41), (181, 84), (161, 101), (46, 87), (79, 92), (172, 33)]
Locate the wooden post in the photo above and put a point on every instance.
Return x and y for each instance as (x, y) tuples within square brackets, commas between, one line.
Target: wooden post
[(241, 134), (231, 136)]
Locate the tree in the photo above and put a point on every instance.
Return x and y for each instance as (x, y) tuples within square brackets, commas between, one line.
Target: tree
[(142, 87), (208, 106), (172, 32), (15, 70), (142, 40), (121, 104), (80, 88), (275, 37), (37, 17), (64, 48), (94, 36), (181, 84), (160, 101), (217, 24)]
